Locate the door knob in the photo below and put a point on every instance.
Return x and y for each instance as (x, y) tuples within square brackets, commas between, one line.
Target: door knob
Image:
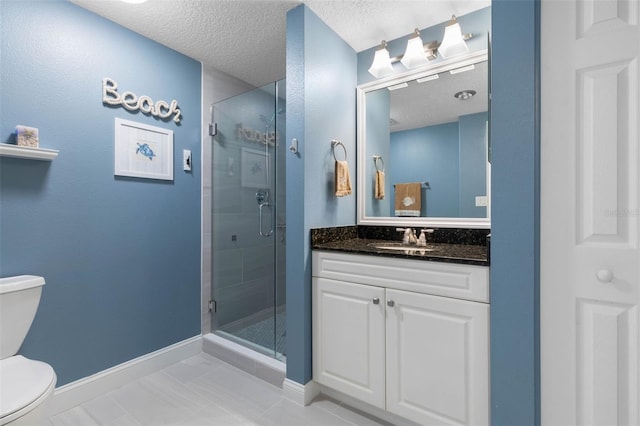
[(604, 275), (390, 303), (376, 300)]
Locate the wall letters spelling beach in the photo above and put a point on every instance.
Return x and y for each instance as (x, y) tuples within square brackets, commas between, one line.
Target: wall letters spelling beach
[(145, 104)]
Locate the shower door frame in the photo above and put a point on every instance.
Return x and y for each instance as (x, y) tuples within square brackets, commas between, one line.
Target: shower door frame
[(276, 231)]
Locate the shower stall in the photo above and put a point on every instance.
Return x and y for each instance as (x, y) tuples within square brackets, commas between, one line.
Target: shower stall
[(248, 219)]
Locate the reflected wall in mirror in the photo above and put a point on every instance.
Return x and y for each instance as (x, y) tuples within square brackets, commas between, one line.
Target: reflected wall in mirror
[(431, 128)]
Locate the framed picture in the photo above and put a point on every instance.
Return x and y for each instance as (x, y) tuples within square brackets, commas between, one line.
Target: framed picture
[(254, 168), (143, 151)]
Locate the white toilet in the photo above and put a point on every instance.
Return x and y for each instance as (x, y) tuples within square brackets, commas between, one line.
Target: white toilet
[(25, 385)]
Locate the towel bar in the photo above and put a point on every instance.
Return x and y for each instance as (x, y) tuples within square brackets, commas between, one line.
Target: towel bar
[(425, 185)]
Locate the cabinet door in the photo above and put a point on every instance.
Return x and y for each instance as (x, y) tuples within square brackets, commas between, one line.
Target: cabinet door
[(437, 359), (348, 339)]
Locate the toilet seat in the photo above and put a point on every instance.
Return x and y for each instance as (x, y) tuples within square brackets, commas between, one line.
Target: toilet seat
[(25, 384)]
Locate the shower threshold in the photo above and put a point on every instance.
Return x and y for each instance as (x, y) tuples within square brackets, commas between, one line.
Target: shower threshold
[(245, 358)]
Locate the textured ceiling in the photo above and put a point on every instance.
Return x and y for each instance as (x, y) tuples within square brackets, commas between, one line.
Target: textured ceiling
[(246, 38)]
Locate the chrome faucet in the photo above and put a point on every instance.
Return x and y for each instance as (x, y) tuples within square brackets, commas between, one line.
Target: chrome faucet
[(409, 235), (422, 241)]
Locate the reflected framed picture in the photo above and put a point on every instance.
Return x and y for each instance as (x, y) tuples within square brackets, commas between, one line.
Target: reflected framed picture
[(254, 168), (143, 151)]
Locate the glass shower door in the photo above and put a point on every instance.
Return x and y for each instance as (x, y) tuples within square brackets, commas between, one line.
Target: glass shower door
[(248, 219)]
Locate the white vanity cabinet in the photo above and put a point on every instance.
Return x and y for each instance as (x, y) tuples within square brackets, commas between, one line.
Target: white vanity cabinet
[(399, 335)]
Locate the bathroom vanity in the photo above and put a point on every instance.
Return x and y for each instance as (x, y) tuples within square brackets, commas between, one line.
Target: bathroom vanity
[(405, 331), (401, 327)]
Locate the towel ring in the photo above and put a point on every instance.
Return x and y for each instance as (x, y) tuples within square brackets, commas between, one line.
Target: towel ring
[(335, 143), (377, 158)]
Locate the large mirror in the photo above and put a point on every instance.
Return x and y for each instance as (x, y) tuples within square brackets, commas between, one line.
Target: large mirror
[(423, 147)]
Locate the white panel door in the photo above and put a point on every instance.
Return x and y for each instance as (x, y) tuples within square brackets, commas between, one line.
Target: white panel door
[(437, 359), (590, 259), (348, 339)]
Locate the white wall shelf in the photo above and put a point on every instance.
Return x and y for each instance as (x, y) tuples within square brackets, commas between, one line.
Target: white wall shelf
[(7, 150)]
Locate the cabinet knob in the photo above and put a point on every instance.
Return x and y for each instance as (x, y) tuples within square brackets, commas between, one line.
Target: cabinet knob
[(390, 303), (604, 275), (376, 300)]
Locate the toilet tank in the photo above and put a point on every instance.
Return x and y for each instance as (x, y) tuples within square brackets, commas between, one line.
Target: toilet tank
[(19, 298)]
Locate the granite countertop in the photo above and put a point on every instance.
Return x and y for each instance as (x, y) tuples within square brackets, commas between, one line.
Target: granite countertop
[(439, 252)]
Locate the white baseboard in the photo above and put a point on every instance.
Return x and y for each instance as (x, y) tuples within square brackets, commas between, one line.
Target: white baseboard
[(75, 393), (300, 394)]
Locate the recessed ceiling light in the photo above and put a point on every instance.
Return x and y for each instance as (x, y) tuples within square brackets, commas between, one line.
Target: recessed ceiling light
[(464, 95), (134, 1)]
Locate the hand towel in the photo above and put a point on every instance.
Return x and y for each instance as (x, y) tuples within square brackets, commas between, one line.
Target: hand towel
[(379, 191), (408, 199), (343, 179)]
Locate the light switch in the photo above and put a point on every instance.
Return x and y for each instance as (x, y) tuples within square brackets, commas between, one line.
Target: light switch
[(186, 160)]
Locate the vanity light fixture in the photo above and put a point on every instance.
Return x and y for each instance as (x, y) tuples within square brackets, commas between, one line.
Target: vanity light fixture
[(428, 78), (453, 42), (415, 54), (381, 65)]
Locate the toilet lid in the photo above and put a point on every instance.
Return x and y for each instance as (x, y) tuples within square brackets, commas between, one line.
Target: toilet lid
[(22, 382)]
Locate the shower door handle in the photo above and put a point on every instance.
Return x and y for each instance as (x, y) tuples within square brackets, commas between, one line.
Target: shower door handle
[(268, 234)]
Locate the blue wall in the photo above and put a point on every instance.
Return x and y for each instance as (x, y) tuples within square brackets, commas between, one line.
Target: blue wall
[(451, 157), (121, 256), (321, 106), (515, 143), (473, 163), (428, 154), (378, 143)]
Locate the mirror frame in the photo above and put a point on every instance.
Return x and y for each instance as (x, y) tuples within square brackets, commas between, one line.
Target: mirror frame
[(361, 91)]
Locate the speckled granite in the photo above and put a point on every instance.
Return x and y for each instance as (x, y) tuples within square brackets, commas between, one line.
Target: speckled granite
[(355, 239), (327, 235), (439, 235)]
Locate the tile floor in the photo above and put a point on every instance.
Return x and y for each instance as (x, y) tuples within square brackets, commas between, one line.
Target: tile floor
[(203, 390)]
